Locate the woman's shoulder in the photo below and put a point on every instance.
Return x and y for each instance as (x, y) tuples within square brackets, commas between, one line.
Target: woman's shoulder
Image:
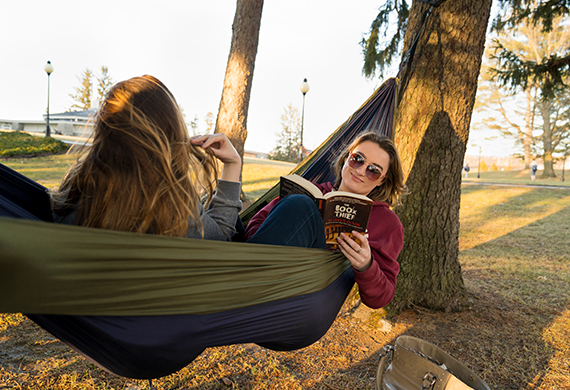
[(382, 212)]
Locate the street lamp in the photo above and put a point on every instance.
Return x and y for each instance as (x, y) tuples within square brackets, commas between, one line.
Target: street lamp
[(304, 89), (48, 68), (479, 163), (563, 164)]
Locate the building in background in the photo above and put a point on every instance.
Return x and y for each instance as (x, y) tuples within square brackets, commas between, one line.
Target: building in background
[(491, 163), (73, 123)]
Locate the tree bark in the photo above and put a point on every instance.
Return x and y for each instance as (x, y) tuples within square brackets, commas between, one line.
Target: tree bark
[(432, 129), (234, 105), (529, 126), (545, 108)]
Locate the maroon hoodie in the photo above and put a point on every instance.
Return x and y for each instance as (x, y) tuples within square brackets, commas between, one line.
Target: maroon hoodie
[(385, 235)]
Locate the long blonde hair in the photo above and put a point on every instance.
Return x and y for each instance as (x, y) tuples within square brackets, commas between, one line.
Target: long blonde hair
[(141, 173), (393, 187)]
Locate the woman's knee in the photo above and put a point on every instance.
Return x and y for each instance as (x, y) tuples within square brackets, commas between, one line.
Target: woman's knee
[(299, 204)]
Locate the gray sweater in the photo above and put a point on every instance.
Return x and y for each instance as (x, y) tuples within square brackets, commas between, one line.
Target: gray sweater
[(219, 220)]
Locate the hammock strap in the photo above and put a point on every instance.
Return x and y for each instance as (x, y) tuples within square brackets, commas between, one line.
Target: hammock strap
[(411, 51)]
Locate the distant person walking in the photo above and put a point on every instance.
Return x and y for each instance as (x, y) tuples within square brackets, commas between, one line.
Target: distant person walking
[(466, 169), (533, 169)]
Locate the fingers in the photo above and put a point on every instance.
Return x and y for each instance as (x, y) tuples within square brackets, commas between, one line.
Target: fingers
[(220, 145), (208, 140), (360, 256), (223, 149)]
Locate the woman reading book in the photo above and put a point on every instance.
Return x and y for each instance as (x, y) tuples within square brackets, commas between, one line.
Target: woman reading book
[(144, 174), (369, 166)]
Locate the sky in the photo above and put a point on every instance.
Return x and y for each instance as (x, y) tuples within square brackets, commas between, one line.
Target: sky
[(185, 44)]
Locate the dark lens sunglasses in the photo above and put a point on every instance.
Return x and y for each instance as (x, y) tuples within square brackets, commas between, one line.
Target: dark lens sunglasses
[(355, 161)]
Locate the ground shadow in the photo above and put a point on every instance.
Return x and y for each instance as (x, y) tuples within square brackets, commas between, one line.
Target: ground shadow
[(516, 300), (502, 336)]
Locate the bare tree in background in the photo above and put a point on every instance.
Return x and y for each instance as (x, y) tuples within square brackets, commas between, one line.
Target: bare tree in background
[(82, 95), (288, 144), (104, 83)]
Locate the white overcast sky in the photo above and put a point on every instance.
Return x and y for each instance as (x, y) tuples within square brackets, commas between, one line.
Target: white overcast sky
[(185, 43)]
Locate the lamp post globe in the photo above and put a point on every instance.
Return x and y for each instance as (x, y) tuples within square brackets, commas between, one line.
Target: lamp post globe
[(304, 89), (49, 69)]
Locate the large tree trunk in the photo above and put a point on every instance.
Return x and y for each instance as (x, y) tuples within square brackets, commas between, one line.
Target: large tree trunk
[(432, 129), (234, 105), (545, 108)]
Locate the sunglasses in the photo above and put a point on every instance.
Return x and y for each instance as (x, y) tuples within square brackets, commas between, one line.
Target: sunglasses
[(355, 161)]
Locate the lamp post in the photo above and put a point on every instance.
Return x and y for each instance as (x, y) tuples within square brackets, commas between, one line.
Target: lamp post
[(48, 68), (304, 89), (479, 164), (564, 164)]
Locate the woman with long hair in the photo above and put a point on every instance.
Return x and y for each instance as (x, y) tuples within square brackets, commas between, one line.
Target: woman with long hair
[(143, 173), (369, 166)]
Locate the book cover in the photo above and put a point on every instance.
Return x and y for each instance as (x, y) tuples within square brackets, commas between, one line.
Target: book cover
[(341, 211)]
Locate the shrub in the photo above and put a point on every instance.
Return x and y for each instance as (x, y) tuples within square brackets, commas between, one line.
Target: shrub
[(17, 143)]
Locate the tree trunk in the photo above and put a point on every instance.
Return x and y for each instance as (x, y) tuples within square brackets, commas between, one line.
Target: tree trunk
[(234, 105), (432, 129), (529, 126), (545, 108)]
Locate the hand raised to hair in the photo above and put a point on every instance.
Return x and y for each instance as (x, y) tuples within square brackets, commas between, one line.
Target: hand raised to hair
[(220, 145), (360, 256), (223, 149)]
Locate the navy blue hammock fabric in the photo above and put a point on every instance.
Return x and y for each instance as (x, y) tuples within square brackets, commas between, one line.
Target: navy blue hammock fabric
[(152, 346)]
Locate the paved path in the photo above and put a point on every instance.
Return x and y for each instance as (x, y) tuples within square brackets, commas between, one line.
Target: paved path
[(515, 185)]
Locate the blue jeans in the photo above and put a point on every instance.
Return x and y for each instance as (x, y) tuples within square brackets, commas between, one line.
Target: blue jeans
[(294, 221)]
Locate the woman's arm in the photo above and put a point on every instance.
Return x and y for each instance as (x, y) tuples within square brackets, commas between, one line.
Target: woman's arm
[(376, 275), (220, 219), (223, 149)]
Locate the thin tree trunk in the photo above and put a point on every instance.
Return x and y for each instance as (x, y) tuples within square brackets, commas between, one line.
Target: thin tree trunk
[(431, 133), (234, 105), (529, 125), (545, 108)]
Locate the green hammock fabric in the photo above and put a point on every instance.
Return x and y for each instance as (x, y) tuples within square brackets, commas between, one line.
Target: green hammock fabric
[(58, 269)]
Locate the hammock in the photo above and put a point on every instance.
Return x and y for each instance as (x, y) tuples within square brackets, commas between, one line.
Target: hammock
[(144, 306)]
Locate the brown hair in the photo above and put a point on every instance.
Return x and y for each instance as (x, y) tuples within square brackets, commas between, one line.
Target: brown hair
[(393, 187), (141, 173)]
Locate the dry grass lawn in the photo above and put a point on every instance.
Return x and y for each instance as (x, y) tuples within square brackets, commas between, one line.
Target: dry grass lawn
[(515, 256)]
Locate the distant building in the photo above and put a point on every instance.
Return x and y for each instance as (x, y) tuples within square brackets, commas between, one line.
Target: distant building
[(73, 123), (249, 153), (501, 163), (507, 163)]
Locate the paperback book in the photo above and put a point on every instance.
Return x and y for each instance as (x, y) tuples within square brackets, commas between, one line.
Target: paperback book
[(341, 211)]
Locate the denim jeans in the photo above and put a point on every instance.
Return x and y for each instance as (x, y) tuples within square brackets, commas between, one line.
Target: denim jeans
[(294, 221)]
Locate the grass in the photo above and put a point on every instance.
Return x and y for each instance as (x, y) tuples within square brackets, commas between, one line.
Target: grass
[(518, 177), (46, 170), (515, 256), (17, 143), (259, 175)]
